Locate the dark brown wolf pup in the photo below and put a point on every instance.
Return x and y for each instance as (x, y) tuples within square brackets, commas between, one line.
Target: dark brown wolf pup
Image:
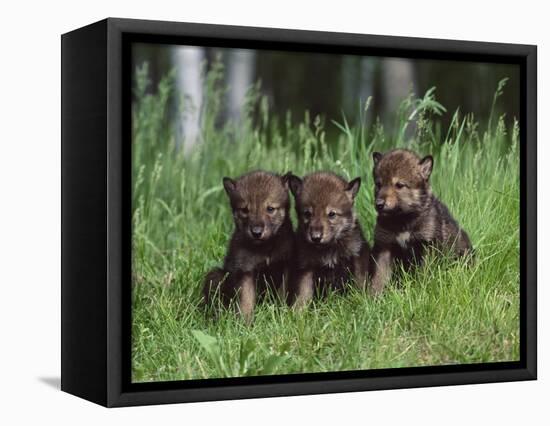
[(410, 217), (330, 247), (261, 245)]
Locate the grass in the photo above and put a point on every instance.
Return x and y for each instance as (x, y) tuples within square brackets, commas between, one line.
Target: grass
[(444, 313)]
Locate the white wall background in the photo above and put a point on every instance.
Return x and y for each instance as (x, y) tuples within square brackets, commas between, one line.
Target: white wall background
[(30, 211)]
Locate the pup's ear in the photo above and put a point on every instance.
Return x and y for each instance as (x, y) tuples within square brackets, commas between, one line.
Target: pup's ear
[(286, 179), (376, 157), (230, 186), (426, 166), (353, 187), (295, 184)]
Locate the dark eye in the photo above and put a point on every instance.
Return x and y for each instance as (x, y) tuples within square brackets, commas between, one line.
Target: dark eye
[(244, 210), (307, 214), (270, 209), (378, 184), (332, 214), (400, 185)]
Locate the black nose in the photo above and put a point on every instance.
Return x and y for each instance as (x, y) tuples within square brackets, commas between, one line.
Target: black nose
[(380, 204), (257, 231), (316, 236)]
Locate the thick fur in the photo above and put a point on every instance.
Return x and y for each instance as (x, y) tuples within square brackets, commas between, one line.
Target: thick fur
[(410, 217), (261, 245), (330, 246)]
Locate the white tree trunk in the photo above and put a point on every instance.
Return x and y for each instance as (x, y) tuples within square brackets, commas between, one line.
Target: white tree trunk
[(358, 84), (398, 82), (366, 82), (240, 75), (188, 63)]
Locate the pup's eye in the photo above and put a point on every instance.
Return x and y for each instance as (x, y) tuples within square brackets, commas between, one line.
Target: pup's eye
[(270, 209), (244, 210), (332, 214), (307, 214), (378, 184), (400, 185)]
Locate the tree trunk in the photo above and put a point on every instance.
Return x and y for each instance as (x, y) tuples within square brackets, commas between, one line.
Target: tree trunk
[(240, 76), (188, 62), (398, 79)]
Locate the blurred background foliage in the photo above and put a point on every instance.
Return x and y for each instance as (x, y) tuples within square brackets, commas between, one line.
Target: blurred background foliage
[(328, 85)]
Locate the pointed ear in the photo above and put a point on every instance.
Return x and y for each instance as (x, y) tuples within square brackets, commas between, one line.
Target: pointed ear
[(426, 166), (353, 187), (230, 186), (376, 157), (295, 184), (286, 179)]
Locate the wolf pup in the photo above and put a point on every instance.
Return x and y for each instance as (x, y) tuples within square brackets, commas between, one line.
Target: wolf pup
[(330, 246), (261, 244), (410, 217)]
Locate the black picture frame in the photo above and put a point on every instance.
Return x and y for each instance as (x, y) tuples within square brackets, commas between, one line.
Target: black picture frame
[(96, 223)]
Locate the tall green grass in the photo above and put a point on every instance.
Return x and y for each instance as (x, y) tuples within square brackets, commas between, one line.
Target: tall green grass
[(444, 313)]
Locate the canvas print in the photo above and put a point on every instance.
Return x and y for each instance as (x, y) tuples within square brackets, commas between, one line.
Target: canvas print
[(300, 212)]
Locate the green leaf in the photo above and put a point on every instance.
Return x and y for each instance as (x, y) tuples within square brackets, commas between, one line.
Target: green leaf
[(247, 349), (210, 345), (273, 363)]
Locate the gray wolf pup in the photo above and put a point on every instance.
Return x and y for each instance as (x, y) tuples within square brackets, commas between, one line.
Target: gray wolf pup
[(261, 245), (410, 217), (330, 247)]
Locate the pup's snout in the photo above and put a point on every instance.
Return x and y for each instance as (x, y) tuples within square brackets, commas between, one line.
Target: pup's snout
[(257, 231), (380, 204), (316, 236)]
